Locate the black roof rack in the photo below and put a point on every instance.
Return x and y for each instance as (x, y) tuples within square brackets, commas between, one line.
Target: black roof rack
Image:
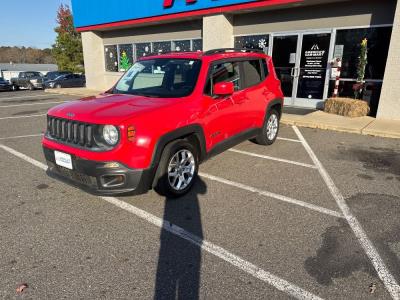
[(167, 52), (224, 50)]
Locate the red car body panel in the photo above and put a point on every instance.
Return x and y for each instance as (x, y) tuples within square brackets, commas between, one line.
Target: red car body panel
[(156, 117)]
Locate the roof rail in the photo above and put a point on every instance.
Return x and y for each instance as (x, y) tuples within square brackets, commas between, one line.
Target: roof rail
[(168, 52), (224, 50)]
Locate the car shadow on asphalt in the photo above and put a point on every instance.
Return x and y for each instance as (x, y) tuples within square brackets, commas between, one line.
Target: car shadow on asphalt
[(179, 261)]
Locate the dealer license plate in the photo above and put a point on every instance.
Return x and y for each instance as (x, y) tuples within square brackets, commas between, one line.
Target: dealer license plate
[(63, 159)]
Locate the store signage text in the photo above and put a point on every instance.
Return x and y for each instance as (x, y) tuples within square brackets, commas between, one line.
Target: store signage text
[(170, 3)]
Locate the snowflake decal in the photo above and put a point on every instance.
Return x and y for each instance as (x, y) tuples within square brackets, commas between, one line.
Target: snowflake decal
[(262, 43)]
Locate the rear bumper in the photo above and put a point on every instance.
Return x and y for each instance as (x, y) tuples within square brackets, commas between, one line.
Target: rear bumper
[(99, 177)]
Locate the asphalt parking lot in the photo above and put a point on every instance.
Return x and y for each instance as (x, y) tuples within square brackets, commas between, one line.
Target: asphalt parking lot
[(316, 215)]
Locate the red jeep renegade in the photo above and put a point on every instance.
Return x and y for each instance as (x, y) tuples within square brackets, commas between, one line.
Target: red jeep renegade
[(167, 114)]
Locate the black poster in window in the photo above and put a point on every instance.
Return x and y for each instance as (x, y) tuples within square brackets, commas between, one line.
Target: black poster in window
[(313, 64)]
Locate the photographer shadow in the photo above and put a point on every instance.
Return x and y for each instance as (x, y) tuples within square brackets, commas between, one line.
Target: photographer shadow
[(179, 261)]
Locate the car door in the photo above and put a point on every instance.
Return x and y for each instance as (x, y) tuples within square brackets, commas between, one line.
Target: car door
[(254, 103), (221, 115)]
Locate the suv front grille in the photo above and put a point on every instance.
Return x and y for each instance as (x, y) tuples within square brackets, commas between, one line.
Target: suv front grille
[(71, 132)]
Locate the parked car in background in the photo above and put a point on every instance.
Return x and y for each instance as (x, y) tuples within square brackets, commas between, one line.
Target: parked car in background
[(66, 81), (29, 80), (5, 85), (54, 74)]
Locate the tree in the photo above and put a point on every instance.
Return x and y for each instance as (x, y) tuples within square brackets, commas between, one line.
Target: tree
[(125, 64), (67, 50)]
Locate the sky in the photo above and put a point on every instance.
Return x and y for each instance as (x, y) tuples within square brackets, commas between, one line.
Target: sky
[(28, 23)]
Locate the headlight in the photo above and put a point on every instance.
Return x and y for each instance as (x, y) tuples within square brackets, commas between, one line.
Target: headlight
[(110, 134)]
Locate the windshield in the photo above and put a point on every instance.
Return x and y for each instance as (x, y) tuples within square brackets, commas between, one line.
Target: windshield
[(160, 77)]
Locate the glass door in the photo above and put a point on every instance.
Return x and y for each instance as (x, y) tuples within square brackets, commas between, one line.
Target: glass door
[(284, 55), (312, 69)]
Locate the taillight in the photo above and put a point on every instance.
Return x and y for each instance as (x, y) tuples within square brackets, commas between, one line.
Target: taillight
[(131, 133)]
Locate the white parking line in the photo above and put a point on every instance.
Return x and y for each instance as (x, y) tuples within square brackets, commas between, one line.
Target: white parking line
[(20, 117), (21, 97), (272, 195), (248, 267), (384, 274), (288, 140), (31, 104), (273, 158), (21, 136)]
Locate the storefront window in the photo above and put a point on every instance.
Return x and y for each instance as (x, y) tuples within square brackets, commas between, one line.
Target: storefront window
[(142, 49), (111, 57), (378, 46), (253, 42), (197, 45), (371, 93), (161, 47), (181, 45), (125, 57)]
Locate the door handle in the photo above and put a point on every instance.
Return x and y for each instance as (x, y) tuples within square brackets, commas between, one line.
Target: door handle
[(292, 71)]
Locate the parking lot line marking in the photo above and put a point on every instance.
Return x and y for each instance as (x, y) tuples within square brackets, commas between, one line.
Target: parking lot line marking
[(31, 104), (240, 263), (272, 195), (33, 96), (21, 136), (289, 140), (273, 158), (384, 274), (20, 117)]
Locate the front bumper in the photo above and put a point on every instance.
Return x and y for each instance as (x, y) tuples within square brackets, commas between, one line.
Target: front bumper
[(96, 177)]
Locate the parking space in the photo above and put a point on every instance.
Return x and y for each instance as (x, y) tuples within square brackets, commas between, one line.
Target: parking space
[(260, 223)]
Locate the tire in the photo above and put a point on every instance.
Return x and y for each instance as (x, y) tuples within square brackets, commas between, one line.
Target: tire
[(270, 129), (14, 87), (58, 86), (177, 186), (31, 87)]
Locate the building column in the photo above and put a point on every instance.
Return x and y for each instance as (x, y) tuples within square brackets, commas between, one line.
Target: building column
[(93, 55), (389, 103), (217, 32)]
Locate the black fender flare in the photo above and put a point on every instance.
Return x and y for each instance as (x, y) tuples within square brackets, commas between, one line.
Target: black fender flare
[(276, 101), (194, 130)]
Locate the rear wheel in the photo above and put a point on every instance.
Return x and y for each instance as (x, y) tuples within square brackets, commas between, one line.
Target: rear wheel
[(58, 86), (14, 87), (270, 129), (178, 169)]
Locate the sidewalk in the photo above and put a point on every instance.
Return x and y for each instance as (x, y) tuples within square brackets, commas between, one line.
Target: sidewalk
[(81, 92), (316, 119), (362, 125)]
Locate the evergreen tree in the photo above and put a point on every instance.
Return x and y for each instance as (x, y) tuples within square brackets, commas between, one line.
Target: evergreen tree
[(124, 63), (67, 50)]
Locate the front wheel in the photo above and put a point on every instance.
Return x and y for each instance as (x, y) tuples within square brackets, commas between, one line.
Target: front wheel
[(31, 87), (15, 87), (270, 129), (178, 169)]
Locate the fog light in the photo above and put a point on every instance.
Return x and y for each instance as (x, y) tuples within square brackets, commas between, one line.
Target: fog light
[(111, 165)]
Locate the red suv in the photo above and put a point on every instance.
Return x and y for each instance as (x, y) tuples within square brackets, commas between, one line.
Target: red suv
[(167, 114)]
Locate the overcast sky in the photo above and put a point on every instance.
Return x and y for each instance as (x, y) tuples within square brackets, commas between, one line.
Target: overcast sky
[(28, 23)]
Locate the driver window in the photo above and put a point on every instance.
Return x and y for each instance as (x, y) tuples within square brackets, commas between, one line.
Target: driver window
[(224, 72)]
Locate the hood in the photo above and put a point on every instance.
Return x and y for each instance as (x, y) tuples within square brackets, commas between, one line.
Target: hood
[(109, 108)]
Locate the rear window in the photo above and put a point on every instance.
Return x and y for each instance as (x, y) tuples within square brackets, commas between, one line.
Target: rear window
[(252, 72)]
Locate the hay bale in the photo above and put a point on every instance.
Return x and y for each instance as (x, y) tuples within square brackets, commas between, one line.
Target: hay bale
[(347, 107)]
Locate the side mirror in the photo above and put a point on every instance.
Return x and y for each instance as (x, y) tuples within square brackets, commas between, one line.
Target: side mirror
[(224, 88)]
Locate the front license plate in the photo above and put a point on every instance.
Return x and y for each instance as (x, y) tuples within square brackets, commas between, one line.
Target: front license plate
[(63, 159)]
